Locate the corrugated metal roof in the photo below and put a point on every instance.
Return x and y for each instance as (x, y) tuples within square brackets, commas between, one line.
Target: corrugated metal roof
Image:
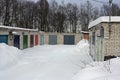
[(104, 19)]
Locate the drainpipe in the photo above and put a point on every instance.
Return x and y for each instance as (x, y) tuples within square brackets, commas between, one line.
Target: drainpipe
[(110, 2)]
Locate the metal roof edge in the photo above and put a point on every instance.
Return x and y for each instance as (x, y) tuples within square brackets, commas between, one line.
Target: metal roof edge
[(103, 19), (17, 28)]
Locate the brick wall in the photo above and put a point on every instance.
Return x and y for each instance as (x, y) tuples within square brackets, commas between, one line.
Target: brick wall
[(111, 43)]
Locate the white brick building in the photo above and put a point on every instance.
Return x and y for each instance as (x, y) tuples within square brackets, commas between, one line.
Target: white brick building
[(104, 42)]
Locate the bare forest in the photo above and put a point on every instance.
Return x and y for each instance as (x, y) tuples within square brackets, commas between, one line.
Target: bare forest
[(52, 17)]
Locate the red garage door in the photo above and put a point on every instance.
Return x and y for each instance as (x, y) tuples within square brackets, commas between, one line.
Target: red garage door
[(31, 40), (36, 39)]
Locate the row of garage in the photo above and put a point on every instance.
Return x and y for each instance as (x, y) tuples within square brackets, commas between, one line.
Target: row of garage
[(68, 40), (24, 38)]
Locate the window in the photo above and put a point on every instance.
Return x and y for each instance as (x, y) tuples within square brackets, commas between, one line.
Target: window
[(102, 32), (93, 38)]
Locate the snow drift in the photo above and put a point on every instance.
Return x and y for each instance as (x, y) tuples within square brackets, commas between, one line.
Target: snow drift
[(48, 62), (8, 55), (82, 49), (83, 46), (107, 70)]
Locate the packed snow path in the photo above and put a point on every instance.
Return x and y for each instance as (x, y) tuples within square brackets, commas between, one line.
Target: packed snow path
[(47, 63)]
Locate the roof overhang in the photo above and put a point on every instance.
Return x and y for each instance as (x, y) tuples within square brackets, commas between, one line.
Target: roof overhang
[(104, 19), (17, 28), (85, 32)]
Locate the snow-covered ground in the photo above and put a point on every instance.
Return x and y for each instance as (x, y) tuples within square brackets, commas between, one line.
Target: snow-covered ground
[(8, 56), (108, 70), (58, 62), (48, 62)]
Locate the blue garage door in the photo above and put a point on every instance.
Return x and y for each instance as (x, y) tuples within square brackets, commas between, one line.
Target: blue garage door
[(69, 39), (52, 39), (17, 41), (4, 39), (41, 39)]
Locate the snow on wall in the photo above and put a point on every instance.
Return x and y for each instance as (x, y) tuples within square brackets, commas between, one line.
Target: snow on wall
[(8, 55)]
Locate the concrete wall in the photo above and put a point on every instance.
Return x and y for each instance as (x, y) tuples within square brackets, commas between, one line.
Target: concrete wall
[(78, 37), (60, 37)]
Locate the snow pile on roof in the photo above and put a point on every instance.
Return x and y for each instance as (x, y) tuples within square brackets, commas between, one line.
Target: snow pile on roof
[(83, 47), (100, 71), (8, 55)]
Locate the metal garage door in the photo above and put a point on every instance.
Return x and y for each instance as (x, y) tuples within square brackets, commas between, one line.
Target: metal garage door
[(36, 39), (52, 39), (69, 39), (41, 39), (31, 40), (99, 55), (17, 41), (25, 41), (4, 39)]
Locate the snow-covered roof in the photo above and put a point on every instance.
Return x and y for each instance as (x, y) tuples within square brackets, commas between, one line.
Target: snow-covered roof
[(17, 28), (104, 19), (86, 32)]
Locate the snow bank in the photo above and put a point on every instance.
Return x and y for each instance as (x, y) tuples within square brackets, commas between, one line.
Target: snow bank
[(82, 47), (8, 55), (47, 62), (108, 70)]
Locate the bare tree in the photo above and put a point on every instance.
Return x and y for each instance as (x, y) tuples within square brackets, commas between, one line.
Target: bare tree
[(60, 18), (7, 5), (52, 16), (114, 10), (14, 12), (72, 14), (87, 14), (75, 17), (1, 11), (44, 9)]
